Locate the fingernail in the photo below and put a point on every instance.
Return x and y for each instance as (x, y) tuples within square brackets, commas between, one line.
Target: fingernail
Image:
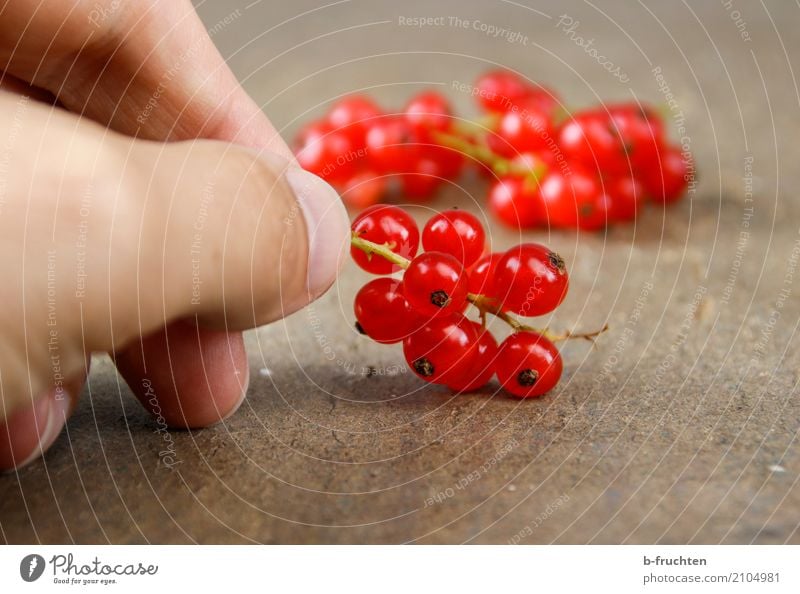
[(327, 225), (59, 412), (236, 406), (30, 432)]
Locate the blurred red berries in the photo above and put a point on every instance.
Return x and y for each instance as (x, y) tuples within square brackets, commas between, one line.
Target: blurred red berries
[(548, 167)]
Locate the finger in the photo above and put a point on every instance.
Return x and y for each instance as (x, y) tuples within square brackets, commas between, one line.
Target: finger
[(146, 68), (12, 84), (247, 240), (154, 73), (209, 366), (114, 75), (239, 238), (201, 229), (25, 431), (30, 431), (47, 213)]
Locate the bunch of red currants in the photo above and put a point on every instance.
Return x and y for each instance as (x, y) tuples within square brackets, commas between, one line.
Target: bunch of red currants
[(360, 149), (548, 167), (425, 309)]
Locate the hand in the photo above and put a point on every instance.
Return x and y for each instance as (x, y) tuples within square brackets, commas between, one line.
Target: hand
[(116, 240)]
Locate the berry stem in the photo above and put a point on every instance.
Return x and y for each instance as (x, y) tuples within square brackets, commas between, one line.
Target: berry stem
[(384, 251), (476, 128), (482, 153), (483, 303)]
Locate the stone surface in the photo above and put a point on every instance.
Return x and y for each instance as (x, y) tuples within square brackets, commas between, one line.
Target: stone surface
[(679, 426)]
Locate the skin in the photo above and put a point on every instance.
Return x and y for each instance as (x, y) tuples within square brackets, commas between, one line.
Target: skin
[(100, 103)]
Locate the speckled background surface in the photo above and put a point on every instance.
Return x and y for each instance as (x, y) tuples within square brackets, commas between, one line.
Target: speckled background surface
[(679, 426)]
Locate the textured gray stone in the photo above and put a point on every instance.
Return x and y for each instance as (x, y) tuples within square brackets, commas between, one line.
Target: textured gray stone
[(679, 426)]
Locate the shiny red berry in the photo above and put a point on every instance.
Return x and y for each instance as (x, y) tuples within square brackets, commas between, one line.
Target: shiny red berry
[(363, 189), (516, 201), (543, 99), (455, 232), (567, 199), (531, 280), (441, 349), (669, 179), (625, 195), (385, 225), (481, 368), (499, 90), (326, 152), (382, 312), (436, 283), (390, 147), (528, 365), (594, 211), (592, 140), (527, 128), (481, 275), (449, 161), (353, 116), (428, 112), (641, 131), (423, 179)]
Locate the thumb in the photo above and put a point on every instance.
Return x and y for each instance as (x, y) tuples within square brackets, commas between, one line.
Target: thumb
[(107, 239), (244, 237)]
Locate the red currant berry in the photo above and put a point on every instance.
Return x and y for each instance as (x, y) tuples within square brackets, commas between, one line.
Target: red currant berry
[(531, 280), (543, 99), (363, 189), (591, 139), (389, 145), (517, 202), (668, 181), (326, 153), (385, 225), (428, 112), (594, 211), (441, 349), (481, 275), (448, 160), (382, 312), (601, 215), (524, 129), (481, 368), (423, 180), (625, 195), (643, 112), (435, 283), (353, 116), (641, 130), (455, 232), (567, 199), (499, 90), (528, 365)]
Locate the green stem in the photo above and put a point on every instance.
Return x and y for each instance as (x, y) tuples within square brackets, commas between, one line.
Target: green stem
[(384, 251), (479, 151), (476, 128)]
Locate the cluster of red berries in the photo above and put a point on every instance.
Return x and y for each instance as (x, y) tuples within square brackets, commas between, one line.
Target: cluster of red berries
[(549, 167), (590, 168), (425, 309), (360, 149)]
